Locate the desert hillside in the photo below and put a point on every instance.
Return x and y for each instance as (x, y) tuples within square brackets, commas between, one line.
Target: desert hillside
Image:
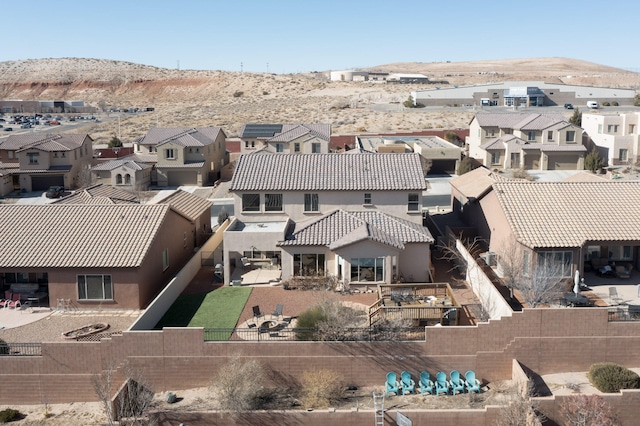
[(229, 99)]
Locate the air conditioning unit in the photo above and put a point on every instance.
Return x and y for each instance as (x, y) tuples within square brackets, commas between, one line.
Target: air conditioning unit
[(491, 258)]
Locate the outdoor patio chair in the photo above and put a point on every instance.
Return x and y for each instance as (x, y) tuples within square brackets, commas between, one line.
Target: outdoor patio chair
[(442, 385), (457, 384), (278, 312), (245, 262), (256, 313), (622, 272), (392, 385), (614, 299), (407, 383), (471, 383), (14, 302), (426, 384)]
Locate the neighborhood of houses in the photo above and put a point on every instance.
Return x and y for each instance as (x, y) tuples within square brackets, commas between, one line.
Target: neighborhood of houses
[(306, 203)]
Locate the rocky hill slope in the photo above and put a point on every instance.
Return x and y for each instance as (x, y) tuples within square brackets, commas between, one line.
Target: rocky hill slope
[(229, 99)]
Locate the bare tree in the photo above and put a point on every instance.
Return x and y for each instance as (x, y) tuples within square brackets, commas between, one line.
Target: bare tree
[(135, 399), (240, 384), (521, 409), (543, 285), (587, 410), (511, 265), (103, 385)]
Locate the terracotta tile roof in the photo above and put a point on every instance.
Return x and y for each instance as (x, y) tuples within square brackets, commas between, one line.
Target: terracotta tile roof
[(127, 162), (328, 172), (568, 214), (341, 228), (185, 136), (188, 205), (78, 236), (99, 194)]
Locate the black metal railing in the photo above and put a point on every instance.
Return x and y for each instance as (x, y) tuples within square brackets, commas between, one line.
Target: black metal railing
[(20, 349), (624, 313), (364, 334)]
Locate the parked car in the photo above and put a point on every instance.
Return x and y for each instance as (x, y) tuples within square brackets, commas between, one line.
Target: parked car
[(54, 122), (8, 129), (593, 104), (54, 192), (568, 106), (25, 126)]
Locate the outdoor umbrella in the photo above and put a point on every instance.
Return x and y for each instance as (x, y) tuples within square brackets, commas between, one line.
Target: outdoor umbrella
[(576, 283)]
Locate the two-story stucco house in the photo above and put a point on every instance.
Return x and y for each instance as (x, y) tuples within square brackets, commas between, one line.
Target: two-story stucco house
[(615, 133), (357, 217), (185, 155), (132, 172), (36, 161), (528, 141), (286, 138)]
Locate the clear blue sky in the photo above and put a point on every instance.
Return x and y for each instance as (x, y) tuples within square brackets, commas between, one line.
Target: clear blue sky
[(283, 36)]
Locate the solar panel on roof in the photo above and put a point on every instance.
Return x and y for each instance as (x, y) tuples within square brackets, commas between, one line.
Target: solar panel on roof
[(261, 130)]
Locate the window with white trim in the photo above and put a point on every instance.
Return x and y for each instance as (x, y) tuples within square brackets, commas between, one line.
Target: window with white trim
[(413, 202), (570, 136), (311, 203), (33, 157), (367, 269), (170, 154), (250, 202), (272, 202), (531, 136), (309, 264), (95, 287), (558, 262), (367, 198), (495, 158)]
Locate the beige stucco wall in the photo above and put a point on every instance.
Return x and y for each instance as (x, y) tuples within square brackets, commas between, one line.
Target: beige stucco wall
[(393, 203)]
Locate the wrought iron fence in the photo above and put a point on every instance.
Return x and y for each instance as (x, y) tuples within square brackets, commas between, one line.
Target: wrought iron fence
[(624, 313), (365, 334), (20, 349)]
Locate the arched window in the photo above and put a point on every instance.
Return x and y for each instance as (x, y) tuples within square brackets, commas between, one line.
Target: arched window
[(118, 179), (127, 179)]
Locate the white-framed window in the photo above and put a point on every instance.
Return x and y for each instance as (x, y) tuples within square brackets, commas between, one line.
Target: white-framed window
[(367, 198), (367, 269), (570, 136), (272, 202), (165, 259), (311, 203), (632, 129), (612, 128), (127, 179), (296, 147), (279, 147), (550, 135), (95, 287), (250, 202), (620, 252), (624, 154), (490, 132), (599, 129), (118, 179), (531, 136), (309, 264), (559, 262), (315, 148), (495, 158), (170, 153), (413, 202), (33, 157)]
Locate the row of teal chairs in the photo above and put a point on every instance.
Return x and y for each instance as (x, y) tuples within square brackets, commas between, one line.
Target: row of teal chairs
[(455, 384)]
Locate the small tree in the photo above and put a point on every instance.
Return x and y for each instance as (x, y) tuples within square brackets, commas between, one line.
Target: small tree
[(543, 284), (511, 265), (320, 388), (114, 142), (409, 103), (222, 216), (576, 118), (240, 384), (465, 166), (593, 162), (521, 409), (587, 410), (452, 137)]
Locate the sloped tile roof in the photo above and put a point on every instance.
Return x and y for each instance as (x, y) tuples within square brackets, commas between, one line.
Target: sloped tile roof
[(341, 228), (328, 172), (44, 141), (476, 183), (122, 162), (322, 131), (521, 121), (185, 136), (78, 236), (194, 165), (99, 194), (567, 214), (188, 205)]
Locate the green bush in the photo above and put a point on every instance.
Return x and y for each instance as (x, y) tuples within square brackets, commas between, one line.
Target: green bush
[(606, 104), (610, 378), (9, 415), (310, 319), (614, 103)]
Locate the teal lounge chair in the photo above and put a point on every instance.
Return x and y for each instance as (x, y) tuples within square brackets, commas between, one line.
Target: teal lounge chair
[(472, 384), (392, 384), (407, 383), (426, 384), (442, 385), (457, 384)]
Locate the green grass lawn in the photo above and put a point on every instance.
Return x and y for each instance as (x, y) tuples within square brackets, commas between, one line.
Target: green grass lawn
[(220, 308)]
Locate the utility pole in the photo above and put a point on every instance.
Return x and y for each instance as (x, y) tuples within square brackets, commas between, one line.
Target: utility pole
[(240, 66)]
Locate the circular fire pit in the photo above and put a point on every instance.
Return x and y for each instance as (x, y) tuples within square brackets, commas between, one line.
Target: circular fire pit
[(87, 330), (267, 326)]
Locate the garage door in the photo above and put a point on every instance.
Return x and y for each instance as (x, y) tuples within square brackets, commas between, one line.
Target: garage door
[(42, 182), (441, 167), (562, 162), (181, 177)]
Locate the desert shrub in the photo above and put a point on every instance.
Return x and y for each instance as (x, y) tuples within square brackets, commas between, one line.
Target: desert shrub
[(451, 136), (465, 166), (609, 377), (615, 103), (321, 388), (10, 415), (587, 410), (264, 92), (606, 104), (241, 385), (636, 100), (237, 94), (521, 174), (317, 282), (330, 321)]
